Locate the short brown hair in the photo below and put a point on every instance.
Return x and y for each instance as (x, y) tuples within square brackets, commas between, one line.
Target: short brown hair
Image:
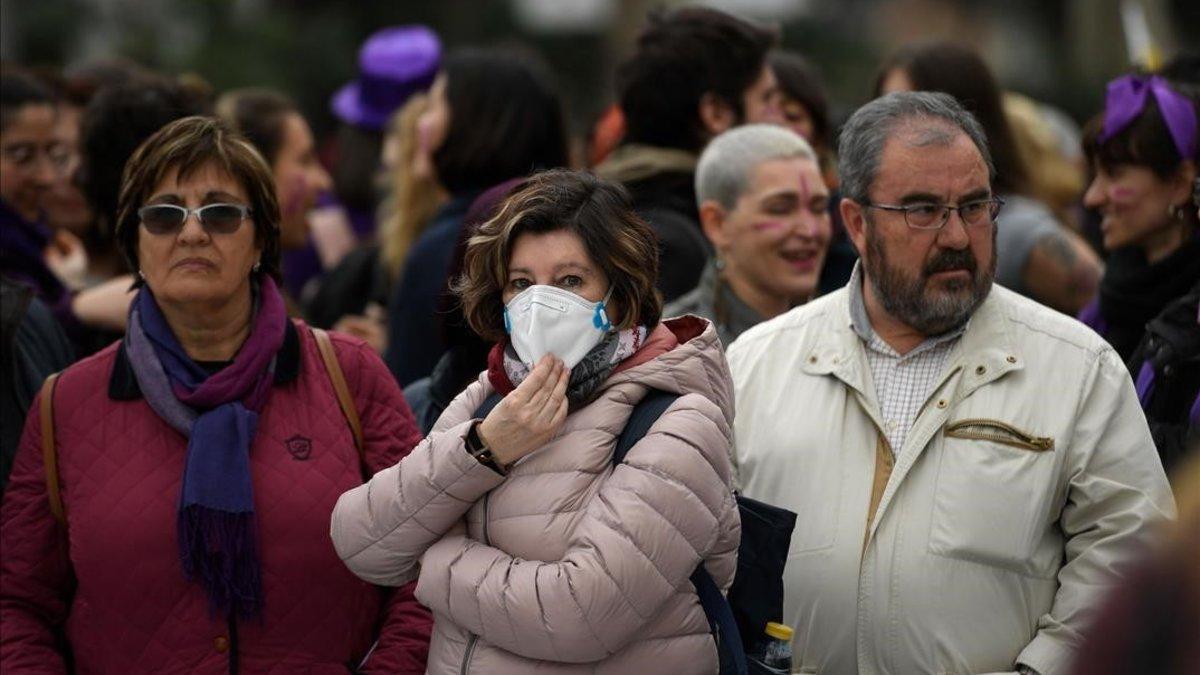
[(258, 114), (187, 145), (599, 212)]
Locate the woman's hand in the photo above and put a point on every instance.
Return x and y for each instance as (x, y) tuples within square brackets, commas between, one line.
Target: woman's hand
[(531, 415), (67, 259), (105, 306)]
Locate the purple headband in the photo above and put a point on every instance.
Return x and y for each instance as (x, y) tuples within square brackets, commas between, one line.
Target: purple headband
[(1126, 98)]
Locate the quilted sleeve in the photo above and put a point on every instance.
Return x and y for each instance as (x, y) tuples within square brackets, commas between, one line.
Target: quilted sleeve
[(36, 580), (390, 430), (403, 645), (666, 508), (389, 434), (381, 528)]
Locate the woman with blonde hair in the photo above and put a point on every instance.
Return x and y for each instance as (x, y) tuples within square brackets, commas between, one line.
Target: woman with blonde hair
[(353, 297)]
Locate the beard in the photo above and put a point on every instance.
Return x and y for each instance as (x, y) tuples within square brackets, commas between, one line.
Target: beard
[(929, 310)]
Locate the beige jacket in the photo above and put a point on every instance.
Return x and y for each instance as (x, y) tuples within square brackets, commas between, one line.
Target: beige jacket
[(567, 564), (1028, 477)]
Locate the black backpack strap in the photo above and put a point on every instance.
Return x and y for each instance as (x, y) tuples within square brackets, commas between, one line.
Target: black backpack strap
[(730, 652), (490, 402), (644, 415)]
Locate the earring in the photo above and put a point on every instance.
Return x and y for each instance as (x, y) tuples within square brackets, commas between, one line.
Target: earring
[(719, 263), (257, 266), (142, 275)]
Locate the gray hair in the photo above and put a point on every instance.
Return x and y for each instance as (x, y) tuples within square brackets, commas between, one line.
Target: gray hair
[(726, 164), (935, 117)]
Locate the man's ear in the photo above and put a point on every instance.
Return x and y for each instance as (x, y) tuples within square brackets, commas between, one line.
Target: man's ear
[(854, 217), (712, 221), (716, 114)]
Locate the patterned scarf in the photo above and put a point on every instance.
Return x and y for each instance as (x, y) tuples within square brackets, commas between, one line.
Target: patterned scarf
[(592, 371), (218, 414)]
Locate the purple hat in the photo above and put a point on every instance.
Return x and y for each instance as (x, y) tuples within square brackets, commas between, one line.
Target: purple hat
[(393, 64)]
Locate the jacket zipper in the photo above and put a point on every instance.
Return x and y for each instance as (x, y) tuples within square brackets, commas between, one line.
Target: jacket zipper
[(466, 664), (998, 432), (474, 639)]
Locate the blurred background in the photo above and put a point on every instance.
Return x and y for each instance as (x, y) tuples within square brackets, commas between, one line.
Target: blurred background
[(1061, 52)]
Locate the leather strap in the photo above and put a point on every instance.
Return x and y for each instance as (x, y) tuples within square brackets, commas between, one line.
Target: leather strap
[(345, 399), (49, 455)]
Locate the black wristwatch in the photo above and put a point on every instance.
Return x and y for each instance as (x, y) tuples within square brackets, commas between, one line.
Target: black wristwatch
[(481, 452)]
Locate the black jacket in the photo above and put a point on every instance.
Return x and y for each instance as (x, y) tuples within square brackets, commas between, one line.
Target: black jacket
[(1171, 346), (668, 202), (33, 346)]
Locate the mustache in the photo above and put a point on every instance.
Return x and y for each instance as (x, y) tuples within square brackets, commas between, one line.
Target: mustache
[(951, 259)]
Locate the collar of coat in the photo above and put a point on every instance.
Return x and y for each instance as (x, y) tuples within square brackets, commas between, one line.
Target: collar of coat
[(123, 385), (986, 351)]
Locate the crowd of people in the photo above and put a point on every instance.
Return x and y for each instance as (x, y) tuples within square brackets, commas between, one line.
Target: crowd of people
[(268, 408)]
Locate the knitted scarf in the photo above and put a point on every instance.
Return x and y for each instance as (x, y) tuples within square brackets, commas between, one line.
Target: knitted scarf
[(218, 413)]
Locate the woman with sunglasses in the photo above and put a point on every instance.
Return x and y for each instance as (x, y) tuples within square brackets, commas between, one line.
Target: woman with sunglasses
[(199, 459), (1143, 152)]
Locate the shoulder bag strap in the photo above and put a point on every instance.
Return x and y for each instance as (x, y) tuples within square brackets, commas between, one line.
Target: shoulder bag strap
[(49, 455), (345, 399)]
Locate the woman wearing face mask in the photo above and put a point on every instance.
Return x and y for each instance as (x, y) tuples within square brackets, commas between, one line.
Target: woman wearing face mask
[(1143, 152), (492, 116), (527, 543), (765, 208)]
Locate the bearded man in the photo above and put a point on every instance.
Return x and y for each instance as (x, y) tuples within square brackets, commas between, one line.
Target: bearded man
[(971, 469)]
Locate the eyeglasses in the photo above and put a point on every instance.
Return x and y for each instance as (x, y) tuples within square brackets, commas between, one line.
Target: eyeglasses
[(927, 216), (214, 218), (25, 155)]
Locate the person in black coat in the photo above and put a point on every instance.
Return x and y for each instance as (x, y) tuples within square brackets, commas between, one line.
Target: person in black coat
[(492, 116), (696, 72), (32, 346)]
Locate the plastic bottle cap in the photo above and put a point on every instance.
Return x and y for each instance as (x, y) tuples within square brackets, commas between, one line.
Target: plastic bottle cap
[(780, 631)]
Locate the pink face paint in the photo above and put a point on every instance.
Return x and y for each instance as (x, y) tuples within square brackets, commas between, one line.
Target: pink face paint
[(1123, 195), (767, 226)]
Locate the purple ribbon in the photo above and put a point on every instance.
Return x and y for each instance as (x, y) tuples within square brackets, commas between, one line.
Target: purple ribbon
[(1126, 98)]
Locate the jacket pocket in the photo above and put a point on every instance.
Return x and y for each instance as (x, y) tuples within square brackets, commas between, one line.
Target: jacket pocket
[(998, 432), (992, 497)]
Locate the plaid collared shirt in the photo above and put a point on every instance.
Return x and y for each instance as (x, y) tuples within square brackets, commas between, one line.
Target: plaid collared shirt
[(902, 383)]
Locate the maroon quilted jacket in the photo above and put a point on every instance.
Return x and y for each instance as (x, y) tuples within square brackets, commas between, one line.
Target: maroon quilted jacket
[(113, 591)]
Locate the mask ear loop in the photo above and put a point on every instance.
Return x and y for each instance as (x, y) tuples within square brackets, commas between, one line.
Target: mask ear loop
[(600, 318)]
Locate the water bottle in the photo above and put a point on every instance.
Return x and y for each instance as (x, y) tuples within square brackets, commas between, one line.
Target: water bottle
[(776, 659)]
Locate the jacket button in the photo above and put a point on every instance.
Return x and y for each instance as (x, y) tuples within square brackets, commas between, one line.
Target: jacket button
[(941, 403), (1011, 359), (980, 370), (221, 644), (812, 359)]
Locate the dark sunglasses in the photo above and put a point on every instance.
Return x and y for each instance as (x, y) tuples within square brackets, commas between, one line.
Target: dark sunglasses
[(214, 218)]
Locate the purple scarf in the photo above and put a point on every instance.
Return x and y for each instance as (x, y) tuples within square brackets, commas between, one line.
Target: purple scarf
[(218, 414)]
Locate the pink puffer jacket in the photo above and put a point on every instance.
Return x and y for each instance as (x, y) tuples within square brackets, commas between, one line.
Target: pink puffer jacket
[(566, 564)]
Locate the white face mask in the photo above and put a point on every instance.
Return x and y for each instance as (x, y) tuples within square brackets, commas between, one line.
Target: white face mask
[(544, 320)]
